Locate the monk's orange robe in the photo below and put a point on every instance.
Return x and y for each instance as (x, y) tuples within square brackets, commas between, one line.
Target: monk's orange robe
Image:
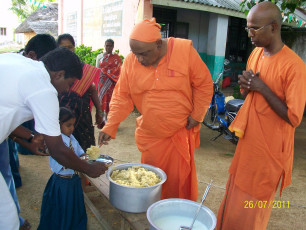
[(179, 86), (264, 153)]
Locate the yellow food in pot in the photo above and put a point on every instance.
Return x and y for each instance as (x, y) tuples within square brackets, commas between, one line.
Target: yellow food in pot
[(135, 176), (93, 152)]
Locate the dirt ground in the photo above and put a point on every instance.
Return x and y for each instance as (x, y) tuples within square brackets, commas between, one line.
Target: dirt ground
[(212, 161)]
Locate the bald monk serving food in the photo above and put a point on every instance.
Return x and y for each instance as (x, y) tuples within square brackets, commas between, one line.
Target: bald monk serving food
[(171, 87)]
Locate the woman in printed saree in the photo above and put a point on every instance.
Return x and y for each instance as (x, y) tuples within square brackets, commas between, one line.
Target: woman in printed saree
[(110, 65), (79, 97)]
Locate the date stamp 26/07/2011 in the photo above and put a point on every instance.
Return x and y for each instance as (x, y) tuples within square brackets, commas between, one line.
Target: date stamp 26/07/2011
[(266, 204)]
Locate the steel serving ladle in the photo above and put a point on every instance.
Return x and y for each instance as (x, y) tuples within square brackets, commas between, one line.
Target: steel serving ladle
[(197, 213)]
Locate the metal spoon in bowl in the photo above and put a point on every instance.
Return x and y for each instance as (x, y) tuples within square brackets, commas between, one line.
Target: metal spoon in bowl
[(197, 213)]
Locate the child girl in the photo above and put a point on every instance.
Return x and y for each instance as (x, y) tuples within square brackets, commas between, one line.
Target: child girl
[(63, 202)]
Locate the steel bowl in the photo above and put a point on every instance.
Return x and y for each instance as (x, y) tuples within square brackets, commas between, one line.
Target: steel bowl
[(106, 159), (134, 199), (170, 214)]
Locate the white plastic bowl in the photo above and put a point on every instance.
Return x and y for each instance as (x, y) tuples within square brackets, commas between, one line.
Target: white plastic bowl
[(170, 214)]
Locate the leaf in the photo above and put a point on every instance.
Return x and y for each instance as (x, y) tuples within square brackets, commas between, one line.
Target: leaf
[(87, 55), (291, 7)]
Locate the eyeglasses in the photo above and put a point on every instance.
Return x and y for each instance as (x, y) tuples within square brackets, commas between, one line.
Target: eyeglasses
[(254, 31)]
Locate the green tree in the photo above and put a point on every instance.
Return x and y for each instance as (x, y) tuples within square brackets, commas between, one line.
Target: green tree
[(287, 7), (87, 55), (23, 8)]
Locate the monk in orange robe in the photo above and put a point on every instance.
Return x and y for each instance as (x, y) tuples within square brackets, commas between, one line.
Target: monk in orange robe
[(171, 87), (275, 85)]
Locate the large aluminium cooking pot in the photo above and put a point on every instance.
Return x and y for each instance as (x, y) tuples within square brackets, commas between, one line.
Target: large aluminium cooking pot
[(134, 199)]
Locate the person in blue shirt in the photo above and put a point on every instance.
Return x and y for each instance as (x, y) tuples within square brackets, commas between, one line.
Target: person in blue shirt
[(63, 201)]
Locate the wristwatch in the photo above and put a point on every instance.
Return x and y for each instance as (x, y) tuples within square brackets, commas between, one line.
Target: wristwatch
[(30, 138)]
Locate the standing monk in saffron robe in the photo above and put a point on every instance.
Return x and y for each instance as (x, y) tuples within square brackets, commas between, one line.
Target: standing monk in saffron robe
[(110, 65), (275, 85), (171, 87)]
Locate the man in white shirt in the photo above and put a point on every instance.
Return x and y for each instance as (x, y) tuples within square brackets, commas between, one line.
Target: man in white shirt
[(36, 47), (29, 89)]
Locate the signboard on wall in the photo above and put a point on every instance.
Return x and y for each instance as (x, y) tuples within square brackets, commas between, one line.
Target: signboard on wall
[(92, 24), (112, 18), (71, 25)]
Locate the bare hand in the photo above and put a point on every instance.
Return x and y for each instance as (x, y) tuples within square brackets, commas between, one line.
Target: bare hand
[(96, 169), (39, 140), (98, 118), (241, 80), (104, 138), (84, 157), (37, 149), (250, 81), (37, 145), (191, 123)]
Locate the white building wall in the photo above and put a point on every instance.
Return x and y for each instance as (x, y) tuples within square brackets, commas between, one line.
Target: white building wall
[(70, 22), (94, 35), (8, 20), (198, 27), (71, 19), (203, 34), (217, 34)]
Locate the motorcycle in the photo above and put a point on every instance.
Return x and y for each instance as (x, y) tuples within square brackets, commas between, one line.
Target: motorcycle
[(221, 114)]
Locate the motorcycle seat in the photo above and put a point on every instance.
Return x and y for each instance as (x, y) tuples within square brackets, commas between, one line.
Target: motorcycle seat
[(234, 105)]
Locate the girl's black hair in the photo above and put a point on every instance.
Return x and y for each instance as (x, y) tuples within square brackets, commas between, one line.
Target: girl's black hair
[(65, 36), (65, 114)]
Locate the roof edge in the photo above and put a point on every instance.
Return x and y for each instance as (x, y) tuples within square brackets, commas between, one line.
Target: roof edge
[(195, 6)]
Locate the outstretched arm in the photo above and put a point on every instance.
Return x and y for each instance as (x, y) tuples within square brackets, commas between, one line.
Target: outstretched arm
[(22, 132), (36, 145), (121, 106), (66, 157), (95, 99)]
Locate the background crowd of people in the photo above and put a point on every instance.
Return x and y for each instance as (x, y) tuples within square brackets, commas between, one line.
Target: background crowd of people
[(76, 84)]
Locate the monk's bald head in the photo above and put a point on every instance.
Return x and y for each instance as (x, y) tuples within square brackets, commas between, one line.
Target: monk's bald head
[(266, 12)]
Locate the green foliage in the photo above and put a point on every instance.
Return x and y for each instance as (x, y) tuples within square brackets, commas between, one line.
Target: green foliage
[(23, 8), (237, 94), (87, 55), (121, 56), (287, 7)]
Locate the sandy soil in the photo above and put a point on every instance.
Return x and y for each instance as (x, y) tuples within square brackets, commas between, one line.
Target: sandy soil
[(212, 161)]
